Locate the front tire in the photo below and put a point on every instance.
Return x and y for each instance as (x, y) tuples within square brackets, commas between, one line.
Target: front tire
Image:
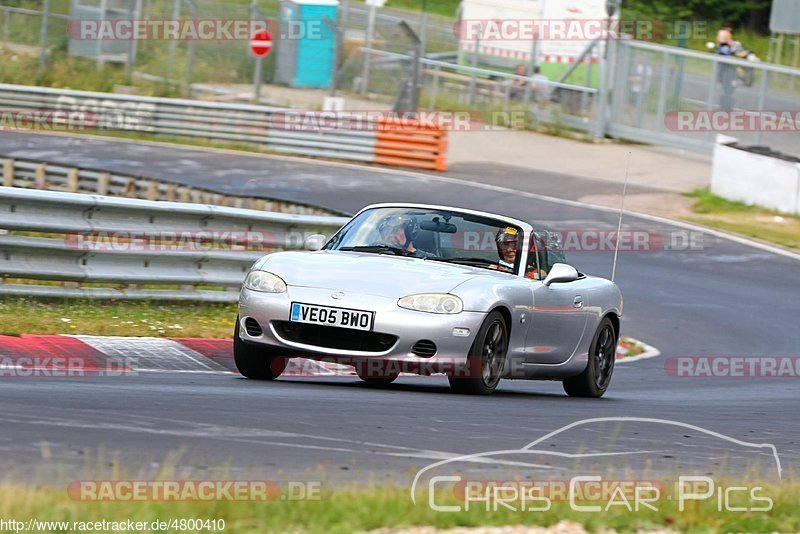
[(487, 358), (594, 380), (258, 363), (375, 377)]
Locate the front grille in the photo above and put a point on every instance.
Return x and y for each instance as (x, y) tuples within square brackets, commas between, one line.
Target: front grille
[(424, 348), (252, 327), (333, 337)]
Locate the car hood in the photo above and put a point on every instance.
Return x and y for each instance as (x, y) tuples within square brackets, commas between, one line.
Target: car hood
[(375, 274)]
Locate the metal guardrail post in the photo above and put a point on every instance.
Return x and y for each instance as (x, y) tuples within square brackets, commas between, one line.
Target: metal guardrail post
[(72, 180), (8, 172), (102, 183), (40, 179)]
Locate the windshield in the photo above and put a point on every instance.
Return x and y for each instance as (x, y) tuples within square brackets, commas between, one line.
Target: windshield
[(435, 235)]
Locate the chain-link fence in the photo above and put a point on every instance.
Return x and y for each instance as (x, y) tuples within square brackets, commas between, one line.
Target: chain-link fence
[(220, 62), (681, 97)]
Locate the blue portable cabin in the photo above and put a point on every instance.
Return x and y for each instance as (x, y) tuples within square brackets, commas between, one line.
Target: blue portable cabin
[(307, 43)]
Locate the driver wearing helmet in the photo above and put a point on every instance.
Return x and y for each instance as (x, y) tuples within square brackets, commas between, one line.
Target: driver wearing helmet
[(400, 231)]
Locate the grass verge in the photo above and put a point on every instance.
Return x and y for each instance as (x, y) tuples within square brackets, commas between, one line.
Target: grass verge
[(752, 221), (359, 510), (25, 315)]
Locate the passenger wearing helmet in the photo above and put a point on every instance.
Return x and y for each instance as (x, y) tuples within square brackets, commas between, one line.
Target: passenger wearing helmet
[(400, 231), (507, 242)]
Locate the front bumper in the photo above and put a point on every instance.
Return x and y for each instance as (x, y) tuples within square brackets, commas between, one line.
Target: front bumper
[(409, 326)]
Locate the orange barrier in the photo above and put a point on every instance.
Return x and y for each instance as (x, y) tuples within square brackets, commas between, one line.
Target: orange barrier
[(409, 143)]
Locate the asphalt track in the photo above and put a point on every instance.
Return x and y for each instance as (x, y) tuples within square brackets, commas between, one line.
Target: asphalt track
[(726, 298)]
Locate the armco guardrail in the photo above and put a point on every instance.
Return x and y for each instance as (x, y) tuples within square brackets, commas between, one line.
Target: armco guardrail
[(133, 243), (288, 131), (36, 174)]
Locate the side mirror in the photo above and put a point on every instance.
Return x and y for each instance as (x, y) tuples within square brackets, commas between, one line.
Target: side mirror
[(561, 273), (315, 242)]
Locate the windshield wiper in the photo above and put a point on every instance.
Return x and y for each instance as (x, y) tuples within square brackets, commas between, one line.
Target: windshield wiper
[(397, 251), (466, 260)]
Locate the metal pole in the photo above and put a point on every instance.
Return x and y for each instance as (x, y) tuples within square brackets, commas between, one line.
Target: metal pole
[(587, 79), (368, 46), (762, 99), (434, 88), (337, 54), (472, 81), (531, 68), (602, 95), (173, 44), (188, 72), (132, 44), (423, 27), (259, 66), (345, 18), (6, 25), (43, 36), (662, 91), (257, 79), (415, 73), (189, 52), (712, 93), (98, 51)]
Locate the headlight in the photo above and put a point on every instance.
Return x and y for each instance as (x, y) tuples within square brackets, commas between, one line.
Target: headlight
[(264, 281), (432, 303)]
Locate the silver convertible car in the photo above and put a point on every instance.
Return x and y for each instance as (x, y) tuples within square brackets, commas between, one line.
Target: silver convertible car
[(432, 289)]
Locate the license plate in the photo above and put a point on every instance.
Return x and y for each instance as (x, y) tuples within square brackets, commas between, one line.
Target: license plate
[(329, 316)]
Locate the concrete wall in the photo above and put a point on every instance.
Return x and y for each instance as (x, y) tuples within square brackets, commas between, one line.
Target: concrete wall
[(755, 179)]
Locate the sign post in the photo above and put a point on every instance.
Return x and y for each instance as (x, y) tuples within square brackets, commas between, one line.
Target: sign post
[(373, 6), (260, 45)]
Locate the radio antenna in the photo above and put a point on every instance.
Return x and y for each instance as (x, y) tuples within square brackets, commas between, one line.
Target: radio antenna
[(619, 222)]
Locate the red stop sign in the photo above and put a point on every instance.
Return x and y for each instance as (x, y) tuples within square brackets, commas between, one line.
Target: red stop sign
[(261, 43)]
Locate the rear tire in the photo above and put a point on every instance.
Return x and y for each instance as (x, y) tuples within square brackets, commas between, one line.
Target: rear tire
[(594, 380), (487, 358), (252, 361)]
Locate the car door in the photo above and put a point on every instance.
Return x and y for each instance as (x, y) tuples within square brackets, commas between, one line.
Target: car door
[(559, 314)]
